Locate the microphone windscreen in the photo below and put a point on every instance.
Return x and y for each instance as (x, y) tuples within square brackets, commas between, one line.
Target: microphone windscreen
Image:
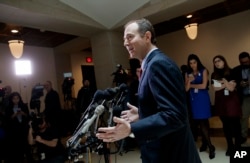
[(117, 111), (99, 95), (123, 87)]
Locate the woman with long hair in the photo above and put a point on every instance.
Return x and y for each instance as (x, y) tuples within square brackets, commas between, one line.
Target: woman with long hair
[(17, 114), (227, 104), (196, 83)]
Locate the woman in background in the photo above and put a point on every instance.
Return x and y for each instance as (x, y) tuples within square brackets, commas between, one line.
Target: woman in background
[(17, 114), (227, 104), (196, 82)]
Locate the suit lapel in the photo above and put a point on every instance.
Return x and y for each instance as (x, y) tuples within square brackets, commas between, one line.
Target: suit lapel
[(152, 54)]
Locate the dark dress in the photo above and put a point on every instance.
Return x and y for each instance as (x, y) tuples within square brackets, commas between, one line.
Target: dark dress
[(228, 108), (229, 105), (17, 134)]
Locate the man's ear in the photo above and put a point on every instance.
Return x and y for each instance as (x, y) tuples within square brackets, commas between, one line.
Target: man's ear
[(148, 36)]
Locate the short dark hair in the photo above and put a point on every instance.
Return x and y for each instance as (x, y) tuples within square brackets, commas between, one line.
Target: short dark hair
[(244, 55), (144, 25)]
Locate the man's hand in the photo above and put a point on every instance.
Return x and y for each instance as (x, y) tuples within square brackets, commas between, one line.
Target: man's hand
[(118, 132), (130, 115)]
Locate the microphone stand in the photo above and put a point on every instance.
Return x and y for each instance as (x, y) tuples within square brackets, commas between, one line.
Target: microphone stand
[(73, 142)]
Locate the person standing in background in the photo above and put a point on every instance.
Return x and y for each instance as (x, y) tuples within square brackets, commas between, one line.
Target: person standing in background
[(53, 110), (226, 102), (196, 82), (17, 114), (242, 77), (84, 97)]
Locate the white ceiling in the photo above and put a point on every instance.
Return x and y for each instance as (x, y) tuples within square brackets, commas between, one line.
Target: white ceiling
[(87, 17)]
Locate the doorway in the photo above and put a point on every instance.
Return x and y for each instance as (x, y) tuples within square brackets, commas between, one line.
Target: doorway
[(88, 73)]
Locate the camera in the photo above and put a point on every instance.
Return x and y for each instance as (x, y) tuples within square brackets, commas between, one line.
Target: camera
[(36, 93), (120, 75)]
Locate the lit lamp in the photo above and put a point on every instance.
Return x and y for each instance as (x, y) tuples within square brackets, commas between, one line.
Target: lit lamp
[(16, 48), (192, 30)]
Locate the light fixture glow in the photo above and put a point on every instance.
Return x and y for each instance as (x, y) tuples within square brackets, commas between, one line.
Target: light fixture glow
[(14, 31), (189, 16), (16, 48), (23, 67), (192, 30)]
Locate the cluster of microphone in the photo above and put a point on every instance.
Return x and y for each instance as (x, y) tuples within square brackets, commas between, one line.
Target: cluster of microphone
[(109, 93), (110, 100)]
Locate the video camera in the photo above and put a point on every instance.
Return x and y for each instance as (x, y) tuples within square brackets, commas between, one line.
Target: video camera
[(36, 93), (120, 75)]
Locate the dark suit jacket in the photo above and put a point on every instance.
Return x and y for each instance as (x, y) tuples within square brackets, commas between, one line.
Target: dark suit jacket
[(163, 130), (237, 73)]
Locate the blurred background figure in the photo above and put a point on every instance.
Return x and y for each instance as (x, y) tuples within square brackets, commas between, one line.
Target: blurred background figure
[(17, 115), (120, 76), (47, 140), (242, 76), (84, 97), (52, 110)]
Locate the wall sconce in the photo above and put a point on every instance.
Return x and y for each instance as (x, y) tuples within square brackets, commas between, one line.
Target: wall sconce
[(192, 30), (16, 48)]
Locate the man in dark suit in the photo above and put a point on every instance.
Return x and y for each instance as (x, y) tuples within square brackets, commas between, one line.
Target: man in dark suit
[(160, 123), (242, 76)]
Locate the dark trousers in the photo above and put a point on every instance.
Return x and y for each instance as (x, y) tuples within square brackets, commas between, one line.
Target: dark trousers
[(232, 130)]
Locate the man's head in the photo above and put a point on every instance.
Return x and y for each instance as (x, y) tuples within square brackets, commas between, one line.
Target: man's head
[(244, 59), (139, 38), (48, 86), (86, 83)]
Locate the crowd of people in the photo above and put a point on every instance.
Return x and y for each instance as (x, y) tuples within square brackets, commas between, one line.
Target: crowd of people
[(166, 109), (22, 130), (231, 100)]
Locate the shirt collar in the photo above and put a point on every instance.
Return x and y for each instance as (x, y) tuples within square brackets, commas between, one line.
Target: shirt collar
[(144, 60)]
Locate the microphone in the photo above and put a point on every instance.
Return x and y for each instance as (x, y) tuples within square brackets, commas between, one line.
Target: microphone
[(117, 111), (109, 93), (99, 95), (98, 111), (123, 87)]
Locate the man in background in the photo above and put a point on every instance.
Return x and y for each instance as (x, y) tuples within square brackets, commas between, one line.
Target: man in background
[(53, 108), (242, 76)]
